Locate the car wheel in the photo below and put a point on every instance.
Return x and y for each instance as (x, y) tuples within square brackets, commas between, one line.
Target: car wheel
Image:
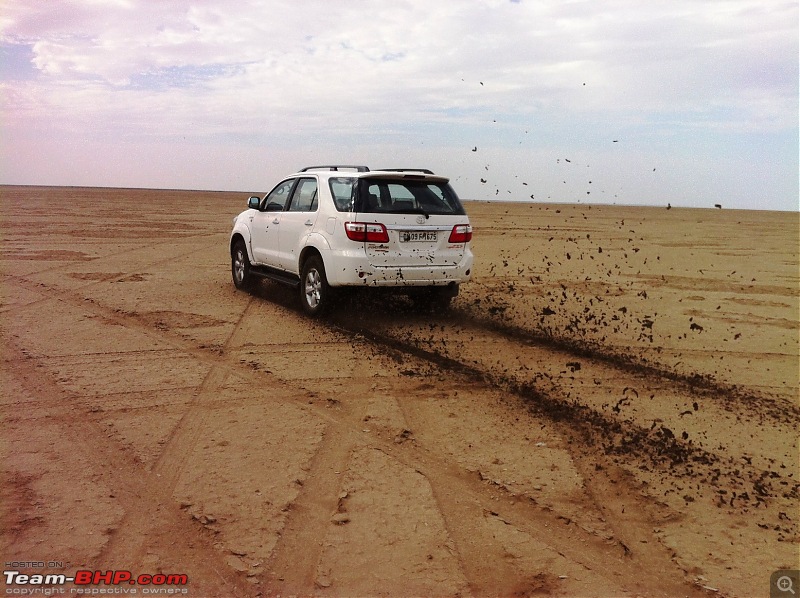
[(441, 301), (436, 299), (240, 266), (315, 294)]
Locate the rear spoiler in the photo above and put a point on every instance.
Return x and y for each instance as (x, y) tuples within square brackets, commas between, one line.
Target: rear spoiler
[(425, 170)]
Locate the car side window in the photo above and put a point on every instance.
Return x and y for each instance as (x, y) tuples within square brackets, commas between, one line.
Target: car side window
[(275, 201), (304, 198), (342, 192)]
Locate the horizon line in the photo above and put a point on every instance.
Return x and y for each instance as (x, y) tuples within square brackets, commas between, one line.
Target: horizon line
[(490, 200)]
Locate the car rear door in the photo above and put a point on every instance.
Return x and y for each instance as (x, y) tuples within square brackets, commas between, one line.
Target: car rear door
[(297, 222), (419, 220)]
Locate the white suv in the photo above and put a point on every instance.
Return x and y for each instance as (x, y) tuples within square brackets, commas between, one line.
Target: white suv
[(331, 227)]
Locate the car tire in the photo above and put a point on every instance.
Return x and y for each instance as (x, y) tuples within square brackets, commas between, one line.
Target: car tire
[(240, 266), (315, 293), (435, 299), (441, 301)]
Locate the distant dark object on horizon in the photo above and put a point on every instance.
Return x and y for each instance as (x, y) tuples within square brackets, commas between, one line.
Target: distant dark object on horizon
[(718, 205), (669, 206), (475, 149)]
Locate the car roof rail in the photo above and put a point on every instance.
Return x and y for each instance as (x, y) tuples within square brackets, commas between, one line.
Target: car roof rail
[(336, 167), (425, 170)]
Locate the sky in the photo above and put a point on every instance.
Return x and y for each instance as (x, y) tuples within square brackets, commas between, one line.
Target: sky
[(687, 102)]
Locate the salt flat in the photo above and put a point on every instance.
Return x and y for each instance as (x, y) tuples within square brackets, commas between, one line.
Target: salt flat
[(609, 408)]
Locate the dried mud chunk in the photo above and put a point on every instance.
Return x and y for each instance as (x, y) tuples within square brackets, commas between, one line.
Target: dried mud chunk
[(340, 518)]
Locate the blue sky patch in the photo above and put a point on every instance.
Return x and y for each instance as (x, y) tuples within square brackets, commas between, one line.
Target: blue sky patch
[(16, 62), (181, 76)]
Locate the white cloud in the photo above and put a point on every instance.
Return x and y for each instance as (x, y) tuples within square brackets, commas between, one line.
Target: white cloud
[(435, 74)]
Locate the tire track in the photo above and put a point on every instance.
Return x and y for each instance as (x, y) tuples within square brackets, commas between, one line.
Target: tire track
[(482, 558), (452, 510), (731, 397), (465, 499), (630, 513), (184, 436), (321, 495), (151, 515), (473, 559), (124, 252), (657, 446), (293, 566)]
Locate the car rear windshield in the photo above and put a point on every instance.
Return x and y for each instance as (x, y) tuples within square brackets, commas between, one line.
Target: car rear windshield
[(403, 196)]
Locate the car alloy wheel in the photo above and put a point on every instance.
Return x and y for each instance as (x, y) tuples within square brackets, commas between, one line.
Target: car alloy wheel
[(313, 288)]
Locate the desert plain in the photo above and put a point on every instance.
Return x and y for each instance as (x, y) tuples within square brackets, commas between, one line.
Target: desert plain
[(609, 408)]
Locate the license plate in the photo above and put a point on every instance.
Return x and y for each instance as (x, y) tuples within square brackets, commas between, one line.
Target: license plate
[(417, 236)]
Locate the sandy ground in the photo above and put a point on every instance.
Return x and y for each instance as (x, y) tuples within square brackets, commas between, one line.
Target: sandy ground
[(609, 409)]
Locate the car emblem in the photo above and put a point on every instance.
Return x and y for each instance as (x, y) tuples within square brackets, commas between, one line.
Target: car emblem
[(420, 219)]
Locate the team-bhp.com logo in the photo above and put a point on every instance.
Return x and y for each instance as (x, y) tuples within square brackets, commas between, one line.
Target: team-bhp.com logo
[(95, 582)]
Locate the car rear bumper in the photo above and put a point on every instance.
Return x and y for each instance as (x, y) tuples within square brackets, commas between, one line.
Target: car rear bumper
[(357, 271)]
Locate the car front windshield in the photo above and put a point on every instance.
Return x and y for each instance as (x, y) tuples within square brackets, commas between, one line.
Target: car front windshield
[(402, 196)]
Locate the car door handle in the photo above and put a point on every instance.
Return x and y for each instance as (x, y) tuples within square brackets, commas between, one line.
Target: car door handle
[(276, 221), (309, 223)]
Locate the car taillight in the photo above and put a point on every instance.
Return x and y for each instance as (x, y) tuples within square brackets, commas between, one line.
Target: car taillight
[(461, 233), (371, 232)]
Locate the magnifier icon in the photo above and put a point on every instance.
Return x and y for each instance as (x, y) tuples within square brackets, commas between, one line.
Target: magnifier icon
[(784, 584)]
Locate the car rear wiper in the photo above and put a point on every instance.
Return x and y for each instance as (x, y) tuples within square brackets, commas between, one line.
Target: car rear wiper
[(414, 211)]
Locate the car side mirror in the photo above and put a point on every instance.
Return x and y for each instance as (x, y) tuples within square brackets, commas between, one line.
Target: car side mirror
[(253, 203)]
